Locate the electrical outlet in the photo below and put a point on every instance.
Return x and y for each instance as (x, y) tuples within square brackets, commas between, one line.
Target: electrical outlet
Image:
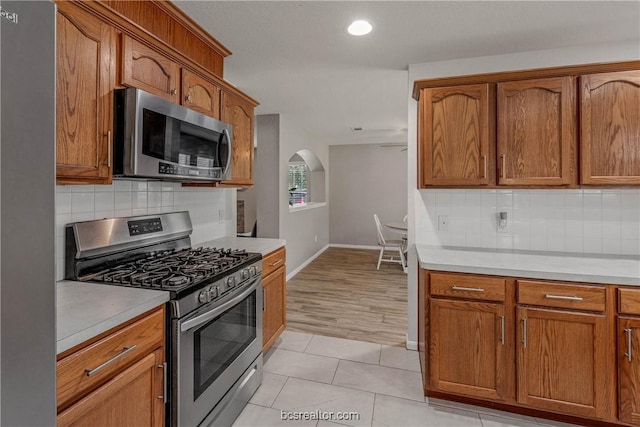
[(220, 216), (443, 222), (316, 239)]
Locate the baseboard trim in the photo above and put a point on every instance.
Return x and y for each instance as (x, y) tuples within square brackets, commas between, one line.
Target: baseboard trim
[(307, 262), (411, 345), (340, 245)]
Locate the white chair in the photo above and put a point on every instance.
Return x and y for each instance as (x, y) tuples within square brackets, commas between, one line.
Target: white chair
[(388, 245)]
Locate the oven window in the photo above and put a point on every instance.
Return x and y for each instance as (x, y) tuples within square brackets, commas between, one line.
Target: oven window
[(218, 343), (173, 140)]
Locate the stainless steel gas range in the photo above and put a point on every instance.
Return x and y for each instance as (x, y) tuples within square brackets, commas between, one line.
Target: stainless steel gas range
[(214, 326)]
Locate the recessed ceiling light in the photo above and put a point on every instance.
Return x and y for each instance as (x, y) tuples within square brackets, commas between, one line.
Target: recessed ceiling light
[(359, 28)]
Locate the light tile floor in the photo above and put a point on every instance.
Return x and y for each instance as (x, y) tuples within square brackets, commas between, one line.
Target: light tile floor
[(382, 384)]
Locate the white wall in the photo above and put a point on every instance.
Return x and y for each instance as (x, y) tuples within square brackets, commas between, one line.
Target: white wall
[(267, 175), (365, 179), (212, 210), (306, 231), (421, 202)]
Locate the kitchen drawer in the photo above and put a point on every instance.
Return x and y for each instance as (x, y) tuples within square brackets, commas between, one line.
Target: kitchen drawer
[(563, 295), (273, 261), (628, 301), (467, 286), (73, 381)]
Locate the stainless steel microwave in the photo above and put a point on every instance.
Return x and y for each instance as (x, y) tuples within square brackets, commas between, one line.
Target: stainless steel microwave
[(158, 139)]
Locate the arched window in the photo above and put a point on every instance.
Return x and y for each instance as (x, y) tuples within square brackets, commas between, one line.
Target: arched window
[(306, 183)]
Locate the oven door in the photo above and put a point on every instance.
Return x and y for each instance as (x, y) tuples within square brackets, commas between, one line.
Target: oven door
[(213, 349)]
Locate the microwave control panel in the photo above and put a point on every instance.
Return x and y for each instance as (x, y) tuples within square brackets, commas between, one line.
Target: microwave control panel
[(186, 171)]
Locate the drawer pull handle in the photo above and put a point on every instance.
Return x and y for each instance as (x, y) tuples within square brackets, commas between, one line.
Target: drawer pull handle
[(629, 333), (563, 297), (462, 288), (164, 396), (273, 264), (125, 350), (502, 330)]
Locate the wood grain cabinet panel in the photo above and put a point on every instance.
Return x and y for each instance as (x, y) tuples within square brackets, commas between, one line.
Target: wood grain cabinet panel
[(629, 301), (85, 75), (537, 132), (274, 315), (149, 70), (610, 128), (239, 113), (468, 348), (131, 398), (629, 370), (200, 94), (468, 286), (562, 361), (454, 134)]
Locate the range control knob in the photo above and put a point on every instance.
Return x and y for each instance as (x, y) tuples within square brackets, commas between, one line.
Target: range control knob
[(253, 270), (204, 297), (231, 281), (213, 293), (245, 273)]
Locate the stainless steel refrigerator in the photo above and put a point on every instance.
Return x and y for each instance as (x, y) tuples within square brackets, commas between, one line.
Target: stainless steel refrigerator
[(27, 214)]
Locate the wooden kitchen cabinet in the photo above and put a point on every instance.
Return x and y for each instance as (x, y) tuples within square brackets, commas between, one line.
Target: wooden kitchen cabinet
[(239, 113), (130, 398), (274, 283), (537, 130), (200, 94), (562, 361), (149, 70), (629, 370), (628, 355), (129, 390), (85, 77), (610, 128), (455, 131), (468, 351)]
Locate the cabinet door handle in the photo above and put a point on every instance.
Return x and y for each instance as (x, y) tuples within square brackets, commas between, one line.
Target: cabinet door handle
[(125, 350), (164, 382), (524, 333), (503, 172), (174, 91), (563, 297), (502, 329), (277, 262), (188, 98), (109, 142), (628, 354), (484, 167), (464, 289)]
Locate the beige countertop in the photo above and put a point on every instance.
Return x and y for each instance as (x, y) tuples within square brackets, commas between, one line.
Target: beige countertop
[(250, 244), (610, 269), (85, 310)]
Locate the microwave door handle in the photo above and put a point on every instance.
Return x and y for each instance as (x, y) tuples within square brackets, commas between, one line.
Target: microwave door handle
[(205, 317), (225, 133)]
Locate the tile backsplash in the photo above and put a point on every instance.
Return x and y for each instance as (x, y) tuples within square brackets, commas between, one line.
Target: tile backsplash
[(211, 209), (580, 221)]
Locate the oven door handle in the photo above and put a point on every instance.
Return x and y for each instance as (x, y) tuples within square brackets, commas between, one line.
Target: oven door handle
[(205, 317)]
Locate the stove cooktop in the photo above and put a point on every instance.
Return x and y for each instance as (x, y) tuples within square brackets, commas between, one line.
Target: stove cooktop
[(176, 270)]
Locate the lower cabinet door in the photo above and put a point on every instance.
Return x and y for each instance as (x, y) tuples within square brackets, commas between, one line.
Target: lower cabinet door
[(629, 370), (273, 318), (132, 398), (562, 365), (468, 351)]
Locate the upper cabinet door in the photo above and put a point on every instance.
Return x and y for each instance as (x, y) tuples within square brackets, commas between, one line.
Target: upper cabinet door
[(536, 132), (200, 94), (454, 136), (610, 128), (146, 69), (84, 100), (239, 113)]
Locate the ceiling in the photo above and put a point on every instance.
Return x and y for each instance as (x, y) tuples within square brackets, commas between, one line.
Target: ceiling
[(296, 58)]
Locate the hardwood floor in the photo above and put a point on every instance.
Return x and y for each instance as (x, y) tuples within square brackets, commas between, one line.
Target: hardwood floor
[(341, 294)]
